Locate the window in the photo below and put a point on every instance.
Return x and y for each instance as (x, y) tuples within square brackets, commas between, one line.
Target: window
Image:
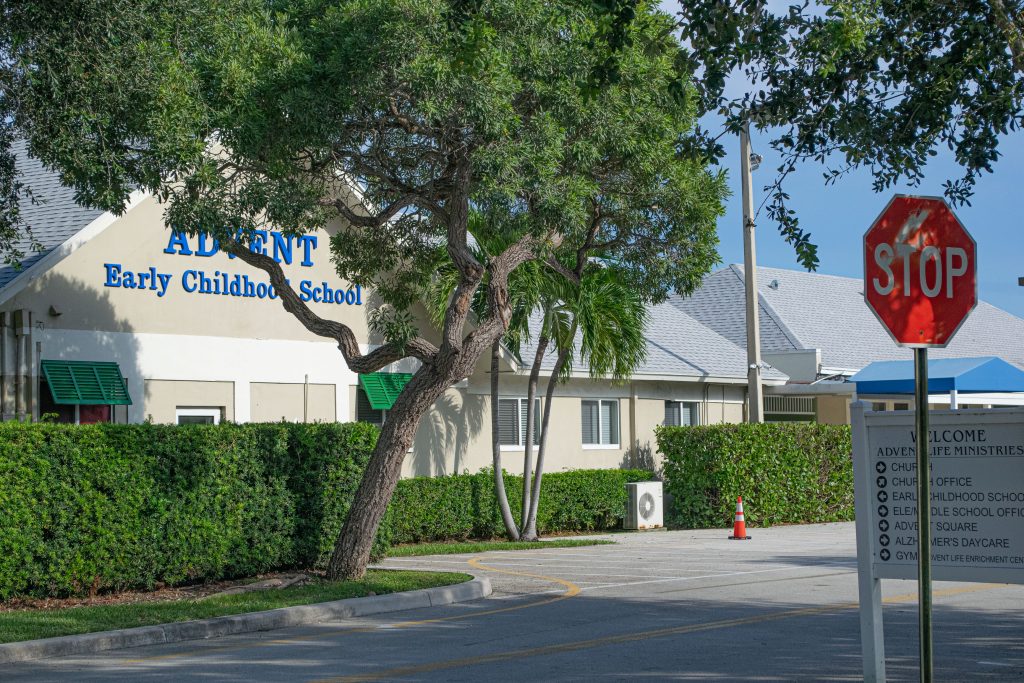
[(512, 422), (600, 423), (901, 406), (366, 412), (878, 406), (198, 416), (682, 413)]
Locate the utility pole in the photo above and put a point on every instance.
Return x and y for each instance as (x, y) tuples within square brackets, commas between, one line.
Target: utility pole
[(755, 393)]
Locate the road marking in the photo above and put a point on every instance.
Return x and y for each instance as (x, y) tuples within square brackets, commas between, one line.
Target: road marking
[(561, 648), (571, 590)]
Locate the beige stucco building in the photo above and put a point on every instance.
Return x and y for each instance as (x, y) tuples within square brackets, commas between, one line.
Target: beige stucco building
[(200, 337)]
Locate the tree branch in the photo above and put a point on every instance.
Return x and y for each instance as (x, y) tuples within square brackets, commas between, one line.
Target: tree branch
[(348, 344)]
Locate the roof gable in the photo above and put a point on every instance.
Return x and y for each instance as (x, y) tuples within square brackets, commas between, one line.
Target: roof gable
[(52, 214)]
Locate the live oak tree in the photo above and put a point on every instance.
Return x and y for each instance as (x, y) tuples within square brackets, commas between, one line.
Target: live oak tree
[(876, 84), (389, 121)]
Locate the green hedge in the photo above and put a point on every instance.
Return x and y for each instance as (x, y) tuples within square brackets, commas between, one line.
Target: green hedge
[(786, 473), (94, 508), (86, 509), (463, 506)]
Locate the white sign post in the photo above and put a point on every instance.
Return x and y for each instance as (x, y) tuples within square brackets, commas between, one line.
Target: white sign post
[(976, 504)]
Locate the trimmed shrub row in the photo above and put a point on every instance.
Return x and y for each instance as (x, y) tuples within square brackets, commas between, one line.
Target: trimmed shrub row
[(464, 506), (787, 473), (85, 509)]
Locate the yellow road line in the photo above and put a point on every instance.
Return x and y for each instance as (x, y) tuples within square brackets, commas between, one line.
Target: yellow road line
[(561, 648), (571, 590)]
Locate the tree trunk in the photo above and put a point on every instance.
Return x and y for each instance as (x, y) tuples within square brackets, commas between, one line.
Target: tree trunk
[(352, 549), (499, 475), (530, 525), (531, 420)]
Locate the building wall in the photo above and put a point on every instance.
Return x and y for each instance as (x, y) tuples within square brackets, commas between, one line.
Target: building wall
[(274, 401), (164, 397), (833, 410), (77, 287), (250, 358), (455, 436)]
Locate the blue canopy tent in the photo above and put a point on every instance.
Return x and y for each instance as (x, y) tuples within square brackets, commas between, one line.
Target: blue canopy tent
[(985, 375)]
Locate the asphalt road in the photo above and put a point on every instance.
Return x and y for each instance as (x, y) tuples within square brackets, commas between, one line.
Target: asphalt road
[(686, 605)]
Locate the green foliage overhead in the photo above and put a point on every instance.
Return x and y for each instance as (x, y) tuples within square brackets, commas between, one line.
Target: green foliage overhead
[(876, 84), (246, 112), (793, 473)]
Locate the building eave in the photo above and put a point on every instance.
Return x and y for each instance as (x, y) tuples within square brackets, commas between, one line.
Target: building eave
[(68, 247)]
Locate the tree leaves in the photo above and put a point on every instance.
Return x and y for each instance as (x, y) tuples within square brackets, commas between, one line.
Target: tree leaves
[(876, 84)]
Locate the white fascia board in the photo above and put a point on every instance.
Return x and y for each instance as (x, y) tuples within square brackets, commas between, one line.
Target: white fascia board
[(70, 246), (689, 379), (822, 389), (838, 371)]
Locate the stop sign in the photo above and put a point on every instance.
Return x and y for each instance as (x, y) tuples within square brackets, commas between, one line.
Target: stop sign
[(920, 271)]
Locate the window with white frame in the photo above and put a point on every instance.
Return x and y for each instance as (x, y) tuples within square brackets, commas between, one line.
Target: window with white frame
[(600, 421), (512, 421), (198, 416), (682, 413)]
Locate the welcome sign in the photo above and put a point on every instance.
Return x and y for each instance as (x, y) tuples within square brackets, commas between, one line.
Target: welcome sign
[(284, 249)]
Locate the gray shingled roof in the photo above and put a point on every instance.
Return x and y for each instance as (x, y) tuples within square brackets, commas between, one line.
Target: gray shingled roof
[(715, 306), (677, 345), (828, 312), (54, 217)]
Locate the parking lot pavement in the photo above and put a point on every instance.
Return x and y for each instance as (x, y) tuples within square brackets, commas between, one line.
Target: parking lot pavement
[(682, 605)]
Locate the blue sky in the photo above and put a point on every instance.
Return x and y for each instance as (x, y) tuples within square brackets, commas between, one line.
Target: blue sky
[(838, 215)]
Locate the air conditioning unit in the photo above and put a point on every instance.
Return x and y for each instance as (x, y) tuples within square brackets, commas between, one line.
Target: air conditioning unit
[(645, 509)]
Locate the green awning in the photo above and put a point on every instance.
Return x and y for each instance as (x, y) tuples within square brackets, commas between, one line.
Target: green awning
[(382, 388), (86, 383)]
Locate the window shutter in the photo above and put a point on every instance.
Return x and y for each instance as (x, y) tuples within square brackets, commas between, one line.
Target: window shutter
[(508, 422), (672, 418), (365, 412), (589, 419), (609, 422)]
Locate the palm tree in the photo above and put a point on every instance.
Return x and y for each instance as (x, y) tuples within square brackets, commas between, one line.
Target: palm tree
[(607, 319), (595, 316)]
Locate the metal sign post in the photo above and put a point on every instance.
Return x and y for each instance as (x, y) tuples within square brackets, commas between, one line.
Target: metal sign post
[(920, 281), (924, 524)]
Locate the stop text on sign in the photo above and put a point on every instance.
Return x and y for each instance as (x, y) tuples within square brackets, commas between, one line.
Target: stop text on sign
[(945, 266)]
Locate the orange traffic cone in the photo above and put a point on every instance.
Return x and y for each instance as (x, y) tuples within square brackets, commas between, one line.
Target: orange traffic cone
[(739, 529)]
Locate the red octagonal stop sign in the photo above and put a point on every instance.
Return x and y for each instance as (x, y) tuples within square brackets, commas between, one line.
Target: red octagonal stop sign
[(920, 271)]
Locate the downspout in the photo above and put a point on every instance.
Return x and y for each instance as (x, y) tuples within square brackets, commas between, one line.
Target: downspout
[(633, 436), (305, 399), (5, 360), (19, 365), (37, 353)]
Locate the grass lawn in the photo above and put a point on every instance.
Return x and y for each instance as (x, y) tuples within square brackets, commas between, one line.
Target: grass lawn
[(484, 546), (31, 624)]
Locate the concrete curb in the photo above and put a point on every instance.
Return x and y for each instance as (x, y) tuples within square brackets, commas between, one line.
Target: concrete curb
[(88, 643)]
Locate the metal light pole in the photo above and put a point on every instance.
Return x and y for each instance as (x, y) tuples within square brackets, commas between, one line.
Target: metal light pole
[(755, 394)]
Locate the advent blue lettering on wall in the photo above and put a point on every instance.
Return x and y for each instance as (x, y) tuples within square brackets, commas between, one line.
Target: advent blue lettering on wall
[(282, 248), (277, 245)]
